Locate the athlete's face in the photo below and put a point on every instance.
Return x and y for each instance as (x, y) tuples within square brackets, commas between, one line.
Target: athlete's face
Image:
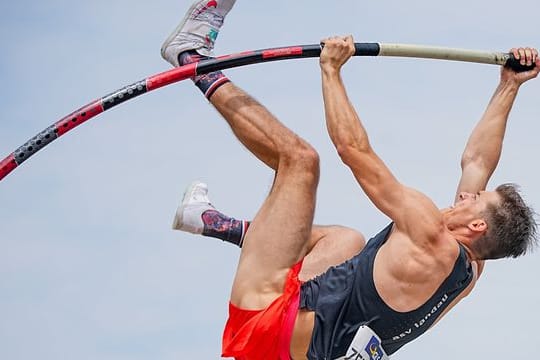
[(471, 206)]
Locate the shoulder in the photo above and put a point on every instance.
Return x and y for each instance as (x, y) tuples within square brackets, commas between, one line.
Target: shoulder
[(422, 220), (436, 250), (431, 236)]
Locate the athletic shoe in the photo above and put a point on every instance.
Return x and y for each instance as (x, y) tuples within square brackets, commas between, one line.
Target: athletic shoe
[(198, 30), (188, 216)]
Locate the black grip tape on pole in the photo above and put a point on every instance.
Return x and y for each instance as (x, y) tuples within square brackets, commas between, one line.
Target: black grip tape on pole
[(364, 49), (367, 49), (515, 64)]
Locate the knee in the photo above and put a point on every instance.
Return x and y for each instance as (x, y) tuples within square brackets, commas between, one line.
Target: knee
[(309, 158), (303, 156), (353, 240)]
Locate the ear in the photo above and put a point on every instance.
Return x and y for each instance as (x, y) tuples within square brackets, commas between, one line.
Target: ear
[(478, 225)]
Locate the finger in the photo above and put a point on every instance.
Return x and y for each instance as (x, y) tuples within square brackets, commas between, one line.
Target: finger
[(535, 55), (329, 38), (350, 41), (522, 57), (336, 40), (515, 52), (531, 74), (528, 56), (326, 42)]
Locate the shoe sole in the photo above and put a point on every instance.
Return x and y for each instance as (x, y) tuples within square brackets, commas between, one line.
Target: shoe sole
[(177, 222), (176, 31)]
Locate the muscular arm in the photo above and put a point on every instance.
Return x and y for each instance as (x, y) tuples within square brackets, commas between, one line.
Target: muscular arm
[(484, 146), (483, 149), (352, 144), (349, 136)]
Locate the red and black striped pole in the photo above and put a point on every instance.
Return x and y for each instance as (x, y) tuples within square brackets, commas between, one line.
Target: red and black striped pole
[(126, 93)]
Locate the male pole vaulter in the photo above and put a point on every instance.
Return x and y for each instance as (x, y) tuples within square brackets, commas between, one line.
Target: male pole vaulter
[(350, 304)]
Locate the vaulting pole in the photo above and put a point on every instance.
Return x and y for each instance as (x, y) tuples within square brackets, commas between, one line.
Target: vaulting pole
[(96, 107)]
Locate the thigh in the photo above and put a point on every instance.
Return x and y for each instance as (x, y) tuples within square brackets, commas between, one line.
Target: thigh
[(278, 238), (330, 246)]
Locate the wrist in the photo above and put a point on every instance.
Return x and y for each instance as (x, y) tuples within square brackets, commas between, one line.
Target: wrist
[(509, 84), (329, 70)]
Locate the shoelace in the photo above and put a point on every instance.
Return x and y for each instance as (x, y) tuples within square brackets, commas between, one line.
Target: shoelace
[(200, 195)]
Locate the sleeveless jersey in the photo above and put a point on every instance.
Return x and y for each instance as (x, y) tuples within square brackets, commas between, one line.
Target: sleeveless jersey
[(345, 297)]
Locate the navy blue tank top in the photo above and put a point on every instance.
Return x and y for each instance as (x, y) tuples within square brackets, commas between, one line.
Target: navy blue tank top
[(345, 297)]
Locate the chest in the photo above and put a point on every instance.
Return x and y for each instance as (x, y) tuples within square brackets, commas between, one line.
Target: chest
[(405, 277)]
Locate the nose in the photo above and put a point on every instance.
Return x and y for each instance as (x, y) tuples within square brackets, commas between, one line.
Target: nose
[(464, 195)]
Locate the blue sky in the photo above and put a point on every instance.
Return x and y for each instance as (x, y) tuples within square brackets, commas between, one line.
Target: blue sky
[(89, 267)]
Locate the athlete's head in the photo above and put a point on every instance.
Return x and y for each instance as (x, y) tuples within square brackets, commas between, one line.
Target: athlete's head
[(511, 227)]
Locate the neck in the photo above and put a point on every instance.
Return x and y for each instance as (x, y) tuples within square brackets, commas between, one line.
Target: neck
[(471, 255), (465, 238), (461, 233)]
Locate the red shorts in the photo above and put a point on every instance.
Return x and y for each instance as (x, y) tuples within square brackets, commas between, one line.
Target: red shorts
[(264, 334)]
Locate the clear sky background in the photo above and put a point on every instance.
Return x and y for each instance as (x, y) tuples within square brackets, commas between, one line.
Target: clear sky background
[(89, 265)]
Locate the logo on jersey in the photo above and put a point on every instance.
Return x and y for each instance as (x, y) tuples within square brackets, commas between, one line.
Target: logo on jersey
[(374, 350)]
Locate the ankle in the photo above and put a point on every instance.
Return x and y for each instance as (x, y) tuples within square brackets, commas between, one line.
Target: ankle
[(221, 226), (207, 83)]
